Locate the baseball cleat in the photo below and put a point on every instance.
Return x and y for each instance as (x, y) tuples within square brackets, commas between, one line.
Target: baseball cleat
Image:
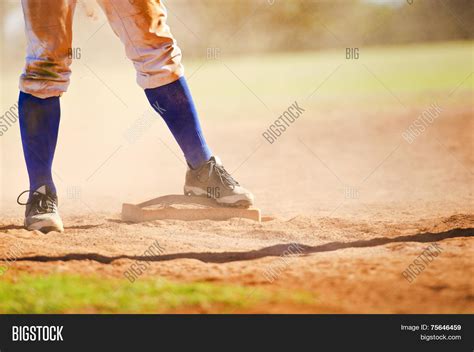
[(42, 211), (211, 180)]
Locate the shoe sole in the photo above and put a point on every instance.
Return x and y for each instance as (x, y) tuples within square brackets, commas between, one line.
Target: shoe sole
[(197, 192), (45, 226)]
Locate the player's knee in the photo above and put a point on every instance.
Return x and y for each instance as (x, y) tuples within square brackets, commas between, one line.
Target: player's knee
[(45, 78), (162, 68)]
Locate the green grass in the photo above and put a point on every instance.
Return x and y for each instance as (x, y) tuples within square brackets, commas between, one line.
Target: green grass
[(414, 73), (75, 294)]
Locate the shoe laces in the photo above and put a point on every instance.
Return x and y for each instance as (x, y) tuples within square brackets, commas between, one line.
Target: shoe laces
[(226, 178), (44, 203)]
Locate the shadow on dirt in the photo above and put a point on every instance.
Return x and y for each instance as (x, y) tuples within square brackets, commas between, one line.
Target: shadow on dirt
[(11, 227), (75, 227), (272, 251)]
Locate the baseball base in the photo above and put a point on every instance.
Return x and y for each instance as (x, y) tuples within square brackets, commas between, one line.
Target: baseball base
[(181, 207)]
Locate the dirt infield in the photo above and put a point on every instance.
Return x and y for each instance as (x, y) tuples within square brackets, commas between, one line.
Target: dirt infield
[(350, 267), (349, 205)]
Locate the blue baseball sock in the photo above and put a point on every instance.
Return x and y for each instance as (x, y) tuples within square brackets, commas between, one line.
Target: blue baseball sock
[(39, 124), (175, 104)]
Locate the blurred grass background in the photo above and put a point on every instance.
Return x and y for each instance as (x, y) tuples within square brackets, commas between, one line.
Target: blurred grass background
[(254, 26), (415, 73), (280, 49)]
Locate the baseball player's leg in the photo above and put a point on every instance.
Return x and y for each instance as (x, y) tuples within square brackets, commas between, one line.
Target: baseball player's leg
[(48, 25), (141, 25)]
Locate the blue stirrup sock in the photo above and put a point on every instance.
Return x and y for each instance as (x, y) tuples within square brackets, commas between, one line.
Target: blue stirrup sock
[(175, 104), (39, 124)]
